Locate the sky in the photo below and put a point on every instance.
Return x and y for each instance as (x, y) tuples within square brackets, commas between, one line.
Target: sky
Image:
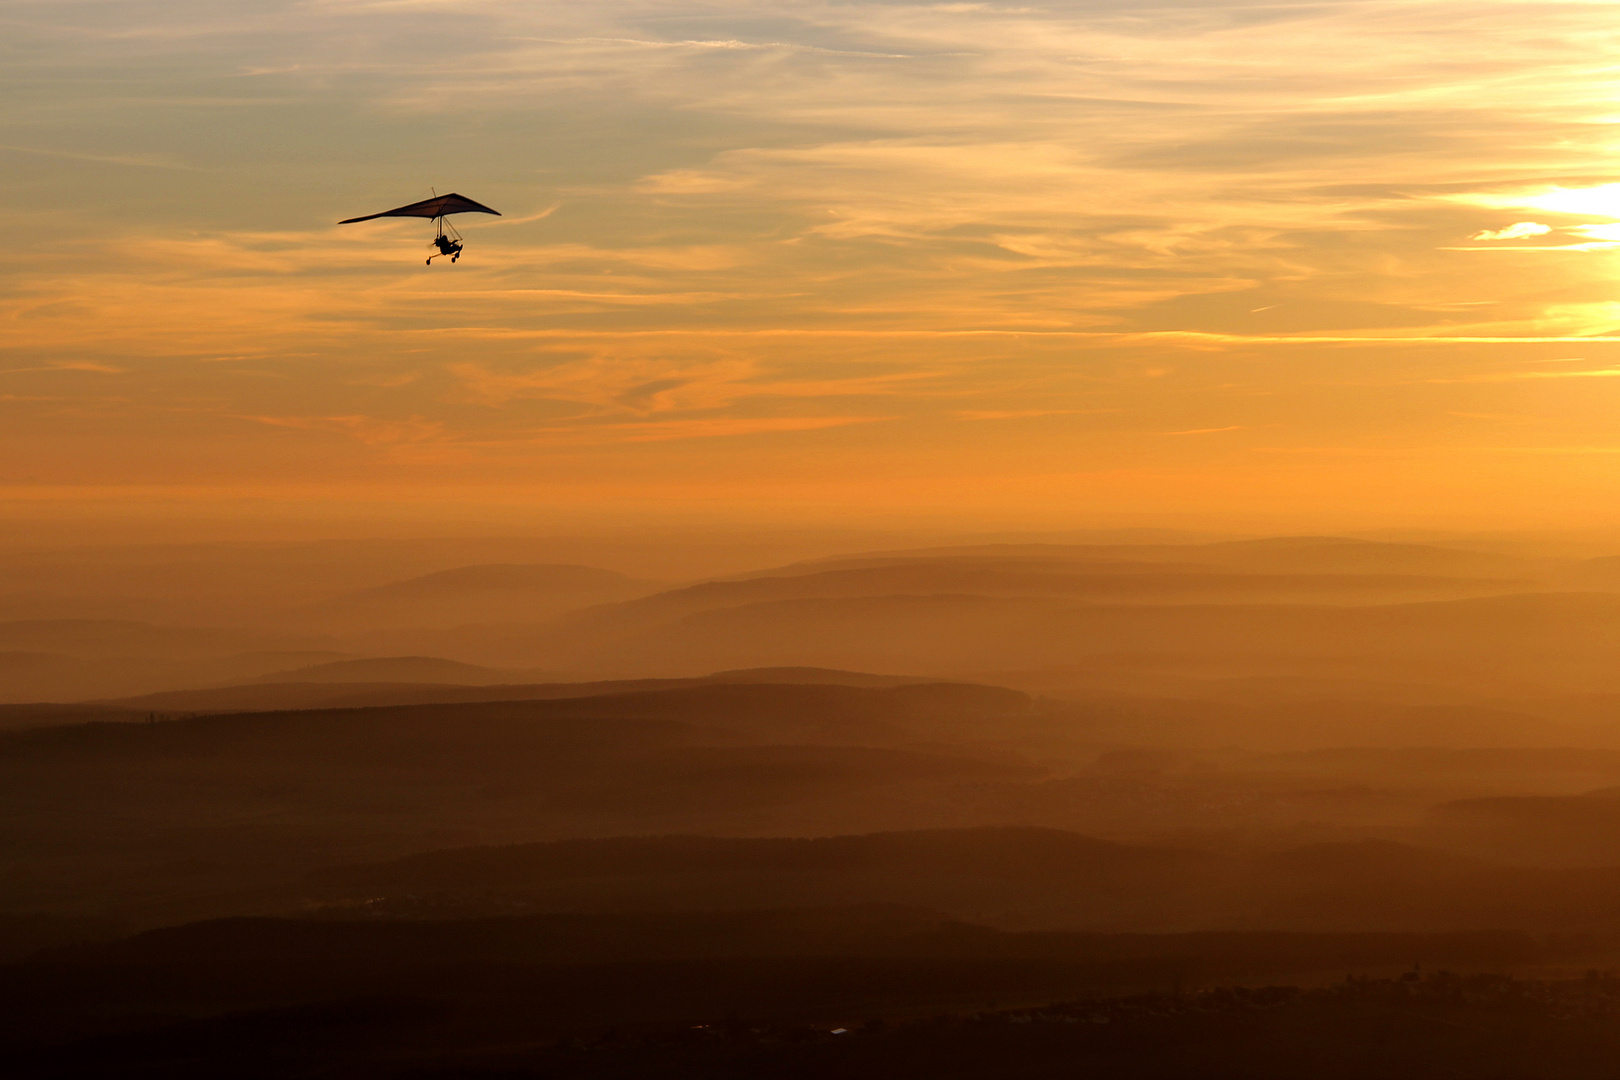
[(1349, 261)]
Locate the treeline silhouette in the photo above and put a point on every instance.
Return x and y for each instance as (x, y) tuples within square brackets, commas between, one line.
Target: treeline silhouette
[(793, 1018)]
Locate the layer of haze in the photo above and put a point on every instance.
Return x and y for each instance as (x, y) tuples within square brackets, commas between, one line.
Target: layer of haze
[(910, 507), (1284, 733), (1343, 262)]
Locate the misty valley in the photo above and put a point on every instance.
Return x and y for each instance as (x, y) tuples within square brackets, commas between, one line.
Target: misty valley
[(1128, 805)]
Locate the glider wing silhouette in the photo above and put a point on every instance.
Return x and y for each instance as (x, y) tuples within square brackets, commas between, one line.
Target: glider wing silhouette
[(436, 207)]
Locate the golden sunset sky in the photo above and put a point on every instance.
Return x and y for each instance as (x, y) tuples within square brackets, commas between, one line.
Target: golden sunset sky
[(1348, 260)]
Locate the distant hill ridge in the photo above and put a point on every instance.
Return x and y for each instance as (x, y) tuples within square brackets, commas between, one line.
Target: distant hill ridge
[(1015, 851), (965, 632), (1025, 875), (393, 669), (561, 577), (292, 690), (1104, 583), (979, 607), (1311, 554), (729, 714), (488, 592), (853, 930)]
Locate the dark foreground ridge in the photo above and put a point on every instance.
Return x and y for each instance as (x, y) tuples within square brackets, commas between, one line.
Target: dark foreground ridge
[(1439, 1027), (1436, 1027), (747, 994)]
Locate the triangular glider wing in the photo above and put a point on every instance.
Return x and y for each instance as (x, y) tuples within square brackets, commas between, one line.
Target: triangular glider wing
[(438, 206)]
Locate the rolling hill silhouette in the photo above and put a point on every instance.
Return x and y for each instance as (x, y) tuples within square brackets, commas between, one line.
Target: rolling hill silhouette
[(1538, 830), (392, 669), (281, 789), (1284, 554), (1010, 877), (498, 592), (75, 659), (1567, 636), (294, 997), (264, 696)]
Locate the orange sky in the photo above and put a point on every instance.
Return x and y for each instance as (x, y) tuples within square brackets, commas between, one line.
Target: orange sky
[(1052, 263)]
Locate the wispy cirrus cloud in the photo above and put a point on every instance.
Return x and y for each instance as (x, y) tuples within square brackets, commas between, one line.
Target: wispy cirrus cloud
[(790, 219)]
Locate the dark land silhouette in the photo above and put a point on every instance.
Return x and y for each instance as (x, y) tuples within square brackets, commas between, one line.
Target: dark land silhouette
[(565, 808)]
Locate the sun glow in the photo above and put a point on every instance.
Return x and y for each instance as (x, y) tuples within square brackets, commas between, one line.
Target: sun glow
[(1600, 201), (865, 250)]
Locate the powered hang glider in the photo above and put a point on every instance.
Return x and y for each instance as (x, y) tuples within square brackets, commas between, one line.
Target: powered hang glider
[(448, 240)]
